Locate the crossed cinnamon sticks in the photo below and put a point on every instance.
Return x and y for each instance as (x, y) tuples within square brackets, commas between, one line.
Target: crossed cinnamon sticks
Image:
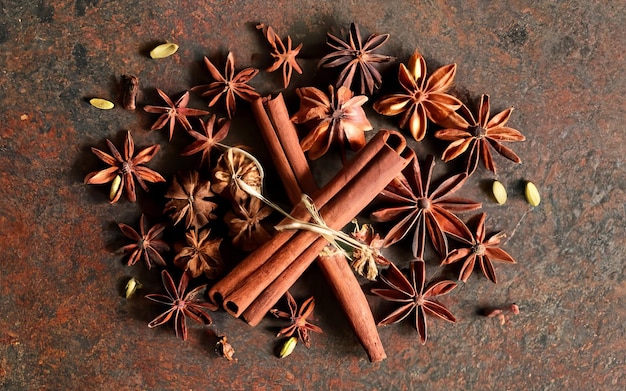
[(260, 280)]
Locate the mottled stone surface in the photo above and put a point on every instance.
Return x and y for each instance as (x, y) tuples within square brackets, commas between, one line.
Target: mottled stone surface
[(63, 322)]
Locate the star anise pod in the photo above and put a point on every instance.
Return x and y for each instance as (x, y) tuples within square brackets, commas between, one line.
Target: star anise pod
[(356, 57), (230, 84), (181, 304), (424, 98), (338, 118), (244, 224), (189, 198), (479, 246), (299, 319), (126, 168), (477, 136), (423, 208), (284, 56), (174, 112), (232, 166), (201, 255), (147, 243), (365, 261), (414, 295), (206, 140)]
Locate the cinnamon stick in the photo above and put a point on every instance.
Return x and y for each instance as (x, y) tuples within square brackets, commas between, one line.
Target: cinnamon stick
[(281, 284), (249, 265), (339, 211)]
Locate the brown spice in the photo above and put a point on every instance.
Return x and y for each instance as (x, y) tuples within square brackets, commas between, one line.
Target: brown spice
[(333, 119), (424, 98), (130, 89), (244, 224), (129, 167), (230, 84), (477, 137), (181, 305), (299, 319), (417, 205), (479, 246), (357, 58), (234, 164), (174, 112), (201, 255), (224, 348), (147, 243), (190, 199), (414, 295), (207, 140), (284, 56)]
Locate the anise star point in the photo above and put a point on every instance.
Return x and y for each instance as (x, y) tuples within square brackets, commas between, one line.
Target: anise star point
[(129, 168)]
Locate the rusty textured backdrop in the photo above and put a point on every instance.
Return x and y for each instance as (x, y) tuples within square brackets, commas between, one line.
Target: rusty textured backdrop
[(63, 323)]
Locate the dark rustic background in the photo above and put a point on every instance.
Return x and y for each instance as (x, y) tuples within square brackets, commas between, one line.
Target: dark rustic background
[(63, 322)]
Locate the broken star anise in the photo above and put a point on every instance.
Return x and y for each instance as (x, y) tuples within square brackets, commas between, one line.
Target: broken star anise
[(477, 136), (414, 295), (181, 304), (365, 261), (424, 208), (189, 198), (299, 319), (147, 243), (479, 246), (338, 118), (284, 56), (201, 255), (125, 167), (206, 140), (424, 98), (230, 84), (174, 112), (244, 224), (356, 57)]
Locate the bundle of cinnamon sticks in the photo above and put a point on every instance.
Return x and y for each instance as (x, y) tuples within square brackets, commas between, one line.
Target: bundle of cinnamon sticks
[(261, 279)]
